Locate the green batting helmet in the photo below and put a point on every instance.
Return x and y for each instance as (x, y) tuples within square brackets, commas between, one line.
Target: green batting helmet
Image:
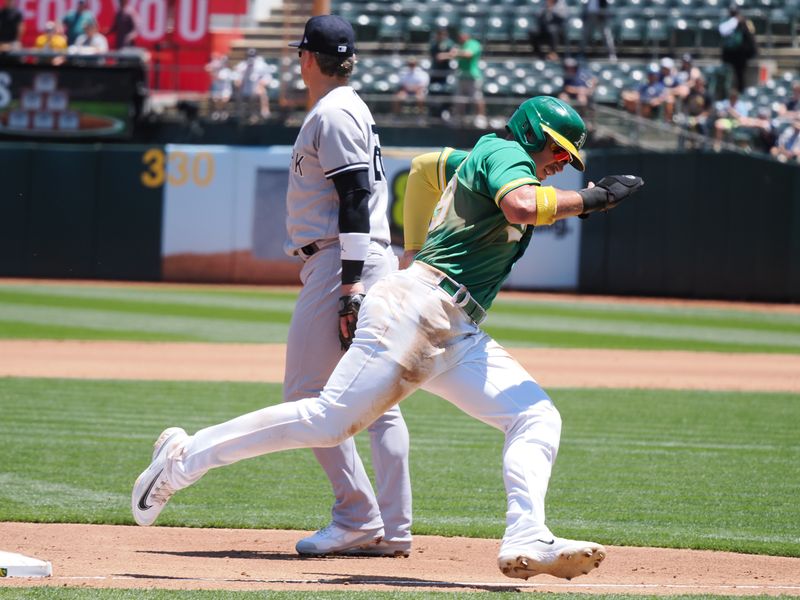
[(538, 117)]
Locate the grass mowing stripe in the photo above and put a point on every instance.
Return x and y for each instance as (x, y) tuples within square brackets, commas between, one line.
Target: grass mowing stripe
[(20, 330), (227, 315), (40, 493), (721, 472), (657, 314), (686, 332), (225, 297), (193, 328), (513, 336), (148, 307)]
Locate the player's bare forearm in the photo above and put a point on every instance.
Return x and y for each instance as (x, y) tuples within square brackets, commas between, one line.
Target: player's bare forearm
[(351, 288), (520, 205)]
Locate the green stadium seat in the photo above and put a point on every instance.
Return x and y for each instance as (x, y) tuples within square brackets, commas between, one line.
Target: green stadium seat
[(657, 32), (418, 29), (520, 28), (574, 30), (606, 94), (709, 36), (472, 26), (780, 23), (498, 29), (366, 27), (391, 29), (630, 32), (683, 34)]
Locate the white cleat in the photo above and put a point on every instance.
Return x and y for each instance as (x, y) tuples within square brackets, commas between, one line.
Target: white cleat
[(385, 548), (152, 491), (558, 557), (333, 539)]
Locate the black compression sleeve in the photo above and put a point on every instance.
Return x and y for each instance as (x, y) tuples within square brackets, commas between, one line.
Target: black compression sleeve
[(353, 190)]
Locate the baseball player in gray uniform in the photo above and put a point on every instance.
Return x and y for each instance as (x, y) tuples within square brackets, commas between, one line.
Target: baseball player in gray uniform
[(336, 204)]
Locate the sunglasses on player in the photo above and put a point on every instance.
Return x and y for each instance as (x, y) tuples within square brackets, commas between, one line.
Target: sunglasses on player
[(559, 153)]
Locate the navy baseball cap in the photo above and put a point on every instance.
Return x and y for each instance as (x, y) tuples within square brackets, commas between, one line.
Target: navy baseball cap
[(328, 34)]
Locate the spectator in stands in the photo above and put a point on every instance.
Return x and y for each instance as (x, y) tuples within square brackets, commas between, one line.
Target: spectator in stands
[(441, 56), (470, 79), (738, 44), (75, 21), (686, 76), (414, 82), (792, 107), (733, 114), (253, 77), (697, 107), (648, 99), (579, 84), (51, 39), (787, 148), (667, 75), (596, 14), (548, 28), (124, 28), (222, 81), (12, 26), (91, 41)]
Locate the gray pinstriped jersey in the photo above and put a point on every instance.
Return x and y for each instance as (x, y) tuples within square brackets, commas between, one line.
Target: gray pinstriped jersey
[(338, 135)]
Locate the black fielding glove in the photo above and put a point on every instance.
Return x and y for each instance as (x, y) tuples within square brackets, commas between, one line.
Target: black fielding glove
[(348, 318), (608, 193)]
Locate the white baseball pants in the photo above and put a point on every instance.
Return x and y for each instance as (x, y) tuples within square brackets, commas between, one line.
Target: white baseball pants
[(410, 335)]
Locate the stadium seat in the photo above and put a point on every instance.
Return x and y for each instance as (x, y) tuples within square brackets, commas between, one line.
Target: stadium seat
[(780, 24), (709, 36), (683, 34), (574, 30), (390, 29), (472, 26), (520, 29), (630, 32), (657, 32), (497, 29), (418, 29), (606, 94), (366, 27)]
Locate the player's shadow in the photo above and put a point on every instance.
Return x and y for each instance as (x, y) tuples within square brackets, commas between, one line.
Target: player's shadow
[(411, 582), (354, 580), (246, 554)]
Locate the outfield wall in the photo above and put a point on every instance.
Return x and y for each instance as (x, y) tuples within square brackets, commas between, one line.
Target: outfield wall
[(217, 214)]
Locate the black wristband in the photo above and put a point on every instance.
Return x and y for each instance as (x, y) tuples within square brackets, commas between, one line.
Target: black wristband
[(594, 199), (351, 271)]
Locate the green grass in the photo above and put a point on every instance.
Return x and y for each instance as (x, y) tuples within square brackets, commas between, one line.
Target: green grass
[(636, 467), (50, 311)]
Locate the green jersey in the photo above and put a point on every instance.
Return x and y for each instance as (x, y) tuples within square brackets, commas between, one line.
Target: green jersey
[(468, 67), (470, 238), (449, 161)]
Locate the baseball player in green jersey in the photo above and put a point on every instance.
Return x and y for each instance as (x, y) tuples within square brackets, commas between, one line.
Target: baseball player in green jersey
[(420, 327)]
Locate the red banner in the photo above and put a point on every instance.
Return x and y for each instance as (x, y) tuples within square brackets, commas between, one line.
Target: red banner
[(189, 19), (228, 7)]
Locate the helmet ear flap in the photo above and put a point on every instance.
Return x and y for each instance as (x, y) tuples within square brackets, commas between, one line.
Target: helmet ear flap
[(537, 137)]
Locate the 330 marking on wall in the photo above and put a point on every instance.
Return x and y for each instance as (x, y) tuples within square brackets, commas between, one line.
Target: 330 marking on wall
[(177, 168)]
